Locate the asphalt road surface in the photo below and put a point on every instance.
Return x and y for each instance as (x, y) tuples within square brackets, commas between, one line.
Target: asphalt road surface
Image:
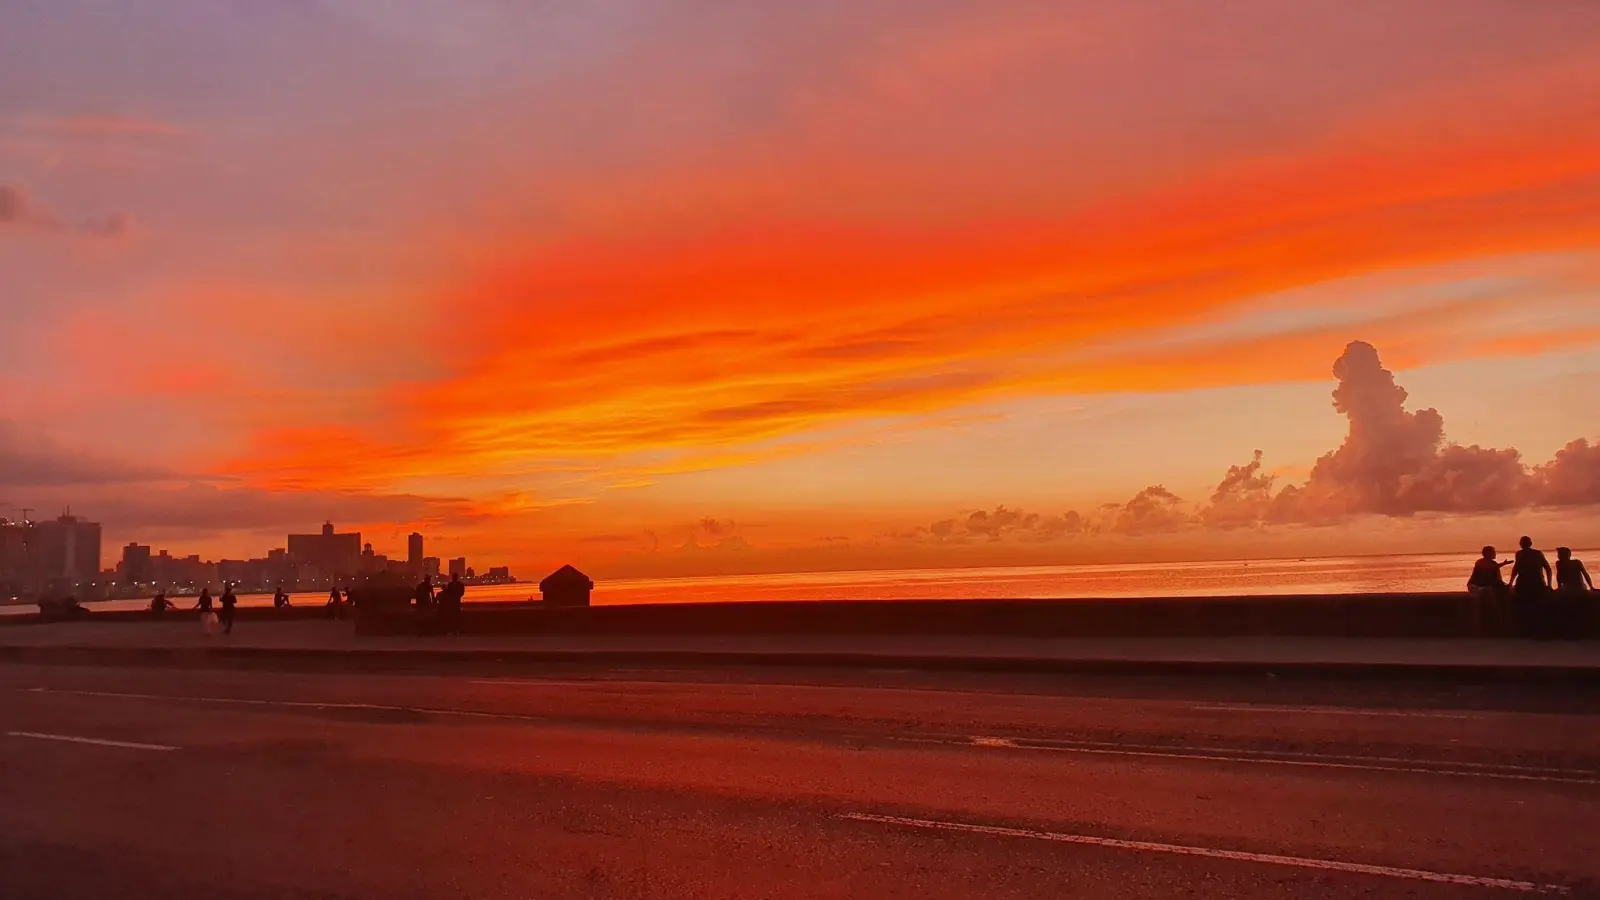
[(227, 784)]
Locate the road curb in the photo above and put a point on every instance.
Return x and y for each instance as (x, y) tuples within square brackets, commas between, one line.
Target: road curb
[(360, 658)]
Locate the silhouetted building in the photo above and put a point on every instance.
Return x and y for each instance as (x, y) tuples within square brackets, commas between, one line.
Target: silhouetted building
[(135, 564), (329, 553), (498, 572), (414, 552), (430, 566), (246, 574), (181, 572), (16, 560), (458, 567), (566, 586), (67, 551)]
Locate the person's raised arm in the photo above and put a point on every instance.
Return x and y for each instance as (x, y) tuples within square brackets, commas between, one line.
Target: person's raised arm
[(1585, 573)]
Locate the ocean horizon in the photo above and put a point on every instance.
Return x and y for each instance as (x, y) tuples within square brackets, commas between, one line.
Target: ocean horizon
[(1406, 573)]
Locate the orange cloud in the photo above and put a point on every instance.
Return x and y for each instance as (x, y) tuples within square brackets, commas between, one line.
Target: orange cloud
[(739, 335), (605, 349)]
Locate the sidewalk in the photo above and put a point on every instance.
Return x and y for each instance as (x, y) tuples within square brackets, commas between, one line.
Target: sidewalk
[(333, 643)]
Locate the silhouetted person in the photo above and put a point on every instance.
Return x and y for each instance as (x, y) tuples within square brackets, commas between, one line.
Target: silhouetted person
[(450, 605), (1571, 576), (335, 605), (280, 600), (159, 604), (1486, 582), (207, 617), (1530, 573), (1530, 586), (229, 601), (423, 597)]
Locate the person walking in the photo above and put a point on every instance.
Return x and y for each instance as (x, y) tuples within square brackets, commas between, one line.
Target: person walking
[(450, 606), (229, 601), (208, 618)]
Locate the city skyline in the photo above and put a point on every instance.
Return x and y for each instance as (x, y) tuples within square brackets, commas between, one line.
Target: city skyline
[(41, 557), (868, 285)]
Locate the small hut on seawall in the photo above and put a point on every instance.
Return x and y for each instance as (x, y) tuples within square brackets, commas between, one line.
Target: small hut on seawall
[(566, 586)]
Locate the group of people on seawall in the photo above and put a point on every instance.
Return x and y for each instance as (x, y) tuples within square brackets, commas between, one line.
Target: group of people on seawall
[(442, 610), (439, 613), (215, 613), (1542, 596)]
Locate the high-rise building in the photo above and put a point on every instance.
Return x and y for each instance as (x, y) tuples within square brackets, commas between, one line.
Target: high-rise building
[(16, 563), (414, 552), (458, 567), (430, 566), (135, 564), (331, 554), (68, 551)]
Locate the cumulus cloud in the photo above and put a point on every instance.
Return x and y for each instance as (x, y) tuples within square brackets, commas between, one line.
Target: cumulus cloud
[(706, 536), (1243, 498), (20, 210), (1154, 510), (1000, 524), (1394, 462), (1572, 478), (33, 460)]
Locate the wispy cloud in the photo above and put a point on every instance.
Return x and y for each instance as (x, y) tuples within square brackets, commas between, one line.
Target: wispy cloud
[(18, 209)]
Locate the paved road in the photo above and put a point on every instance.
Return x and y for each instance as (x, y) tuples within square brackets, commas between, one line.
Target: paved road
[(332, 639), (223, 783)]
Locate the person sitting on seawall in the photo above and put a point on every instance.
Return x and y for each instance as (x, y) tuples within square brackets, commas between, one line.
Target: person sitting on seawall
[(1571, 577), (280, 600), (159, 604), (1531, 578), (1486, 582)]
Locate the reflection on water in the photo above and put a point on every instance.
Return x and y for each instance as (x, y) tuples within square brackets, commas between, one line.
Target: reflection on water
[(1378, 574), (1311, 576)]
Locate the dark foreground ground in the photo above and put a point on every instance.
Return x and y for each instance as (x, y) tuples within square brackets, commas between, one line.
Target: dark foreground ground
[(233, 783)]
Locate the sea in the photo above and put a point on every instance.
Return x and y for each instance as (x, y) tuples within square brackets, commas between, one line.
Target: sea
[(1340, 575)]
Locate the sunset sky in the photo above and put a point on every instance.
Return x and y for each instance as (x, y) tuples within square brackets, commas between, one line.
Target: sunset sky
[(671, 287)]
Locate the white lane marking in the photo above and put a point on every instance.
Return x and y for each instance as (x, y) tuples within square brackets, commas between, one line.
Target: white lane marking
[(99, 742), (1562, 776), (531, 682), (297, 704), (1337, 711), (1304, 760), (1328, 865), (1046, 743)]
